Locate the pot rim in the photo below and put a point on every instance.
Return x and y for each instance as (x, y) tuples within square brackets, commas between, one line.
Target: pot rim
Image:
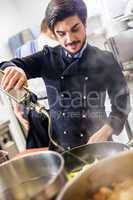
[(88, 171), (53, 179)]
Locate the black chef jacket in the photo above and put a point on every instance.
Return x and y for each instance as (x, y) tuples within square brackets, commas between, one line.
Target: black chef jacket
[(76, 92)]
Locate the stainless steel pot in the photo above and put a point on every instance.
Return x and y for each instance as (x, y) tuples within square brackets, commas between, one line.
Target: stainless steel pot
[(104, 173), (29, 176), (76, 157)]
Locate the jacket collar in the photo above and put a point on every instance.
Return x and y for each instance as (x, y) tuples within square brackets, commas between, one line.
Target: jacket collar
[(61, 68), (74, 67)]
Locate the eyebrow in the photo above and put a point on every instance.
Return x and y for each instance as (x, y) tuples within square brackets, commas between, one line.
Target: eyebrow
[(58, 31), (75, 25)]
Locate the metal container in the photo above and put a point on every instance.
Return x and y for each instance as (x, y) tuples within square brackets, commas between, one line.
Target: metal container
[(76, 157), (29, 176), (112, 170)]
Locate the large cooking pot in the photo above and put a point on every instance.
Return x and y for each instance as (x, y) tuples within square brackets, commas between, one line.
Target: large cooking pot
[(23, 178), (110, 170), (79, 156)]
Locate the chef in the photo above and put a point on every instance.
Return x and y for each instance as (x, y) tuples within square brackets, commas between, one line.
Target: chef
[(77, 77)]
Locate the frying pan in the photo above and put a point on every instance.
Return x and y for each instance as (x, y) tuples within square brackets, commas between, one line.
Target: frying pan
[(104, 173), (88, 153)]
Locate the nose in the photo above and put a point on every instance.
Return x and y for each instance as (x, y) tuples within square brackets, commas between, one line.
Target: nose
[(69, 38)]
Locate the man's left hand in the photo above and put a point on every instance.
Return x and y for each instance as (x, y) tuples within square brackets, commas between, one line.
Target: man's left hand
[(101, 135)]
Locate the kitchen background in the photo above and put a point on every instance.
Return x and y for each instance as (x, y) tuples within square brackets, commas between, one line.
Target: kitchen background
[(109, 26)]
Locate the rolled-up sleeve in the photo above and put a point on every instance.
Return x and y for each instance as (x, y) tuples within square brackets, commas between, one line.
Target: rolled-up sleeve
[(3, 65), (32, 65), (119, 97)]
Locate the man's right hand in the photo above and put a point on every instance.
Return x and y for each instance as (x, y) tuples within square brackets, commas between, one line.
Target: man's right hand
[(13, 76)]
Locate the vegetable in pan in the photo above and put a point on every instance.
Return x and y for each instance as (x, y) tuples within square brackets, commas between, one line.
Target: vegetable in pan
[(75, 172), (118, 191)]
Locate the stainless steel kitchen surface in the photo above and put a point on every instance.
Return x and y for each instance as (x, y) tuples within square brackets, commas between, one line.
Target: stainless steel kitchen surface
[(121, 45), (127, 132), (6, 141), (11, 134)]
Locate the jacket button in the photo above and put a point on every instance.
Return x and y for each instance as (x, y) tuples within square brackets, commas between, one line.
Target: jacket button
[(62, 77), (64, 114), (86, 78), (65, 132), (81, 135), (84, 97)]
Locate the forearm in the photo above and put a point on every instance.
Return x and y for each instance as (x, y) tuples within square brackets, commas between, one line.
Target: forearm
[(101, 135), (106, 131)]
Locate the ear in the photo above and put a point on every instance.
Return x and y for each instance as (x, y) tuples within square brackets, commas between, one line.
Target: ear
[(55, 36)]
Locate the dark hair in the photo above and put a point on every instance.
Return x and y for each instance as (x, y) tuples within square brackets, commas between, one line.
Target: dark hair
[(44, 25), (58, 10)]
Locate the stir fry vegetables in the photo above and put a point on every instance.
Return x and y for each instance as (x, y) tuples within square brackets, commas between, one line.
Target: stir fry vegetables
[(77, 170)]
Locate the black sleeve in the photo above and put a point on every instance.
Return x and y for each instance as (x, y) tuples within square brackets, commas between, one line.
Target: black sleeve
[(32, 65), (119, 96)]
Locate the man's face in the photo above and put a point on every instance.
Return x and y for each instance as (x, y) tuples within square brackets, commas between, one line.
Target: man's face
[(70, 33)]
